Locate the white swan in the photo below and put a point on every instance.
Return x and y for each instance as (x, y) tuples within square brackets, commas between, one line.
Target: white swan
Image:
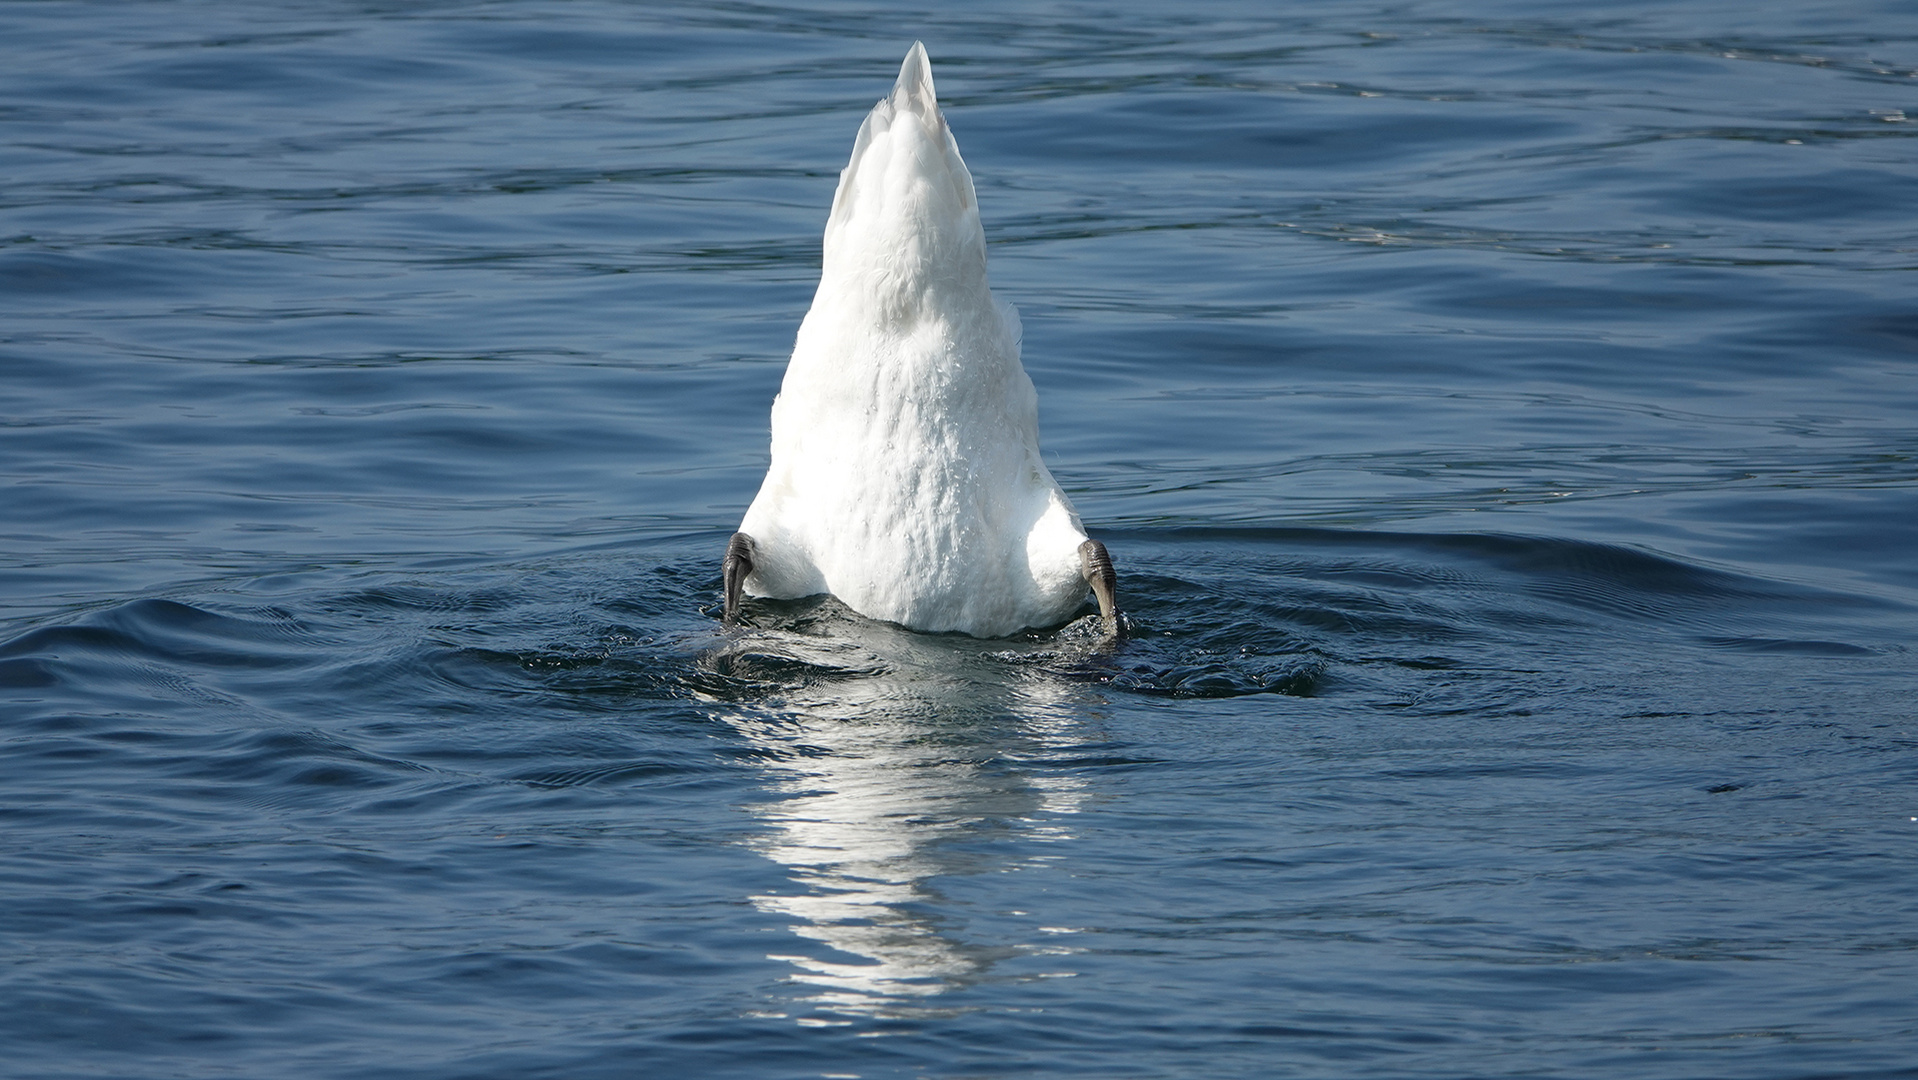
[(906, 478)]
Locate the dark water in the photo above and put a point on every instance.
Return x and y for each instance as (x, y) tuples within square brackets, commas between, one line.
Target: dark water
[(1503, 416)]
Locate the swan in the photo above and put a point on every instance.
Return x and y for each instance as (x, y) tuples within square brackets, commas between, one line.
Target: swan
[(905, 477)]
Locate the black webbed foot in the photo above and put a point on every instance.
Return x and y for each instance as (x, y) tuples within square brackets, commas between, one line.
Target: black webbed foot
[(740, 552), (1096, 564)]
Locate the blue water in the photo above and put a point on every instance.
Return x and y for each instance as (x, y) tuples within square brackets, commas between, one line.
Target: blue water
[(1504, 417)]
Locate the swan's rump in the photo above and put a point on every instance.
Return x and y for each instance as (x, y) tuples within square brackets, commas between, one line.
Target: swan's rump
[(906, 478)]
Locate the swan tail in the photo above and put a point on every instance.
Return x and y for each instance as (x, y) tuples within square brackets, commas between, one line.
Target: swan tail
[(913, 91), (872, 168)]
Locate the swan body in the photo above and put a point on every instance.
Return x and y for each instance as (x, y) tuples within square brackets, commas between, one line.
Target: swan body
[(905, 476)]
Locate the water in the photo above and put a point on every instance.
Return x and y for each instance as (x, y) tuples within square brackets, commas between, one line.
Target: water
[(1501, 415)]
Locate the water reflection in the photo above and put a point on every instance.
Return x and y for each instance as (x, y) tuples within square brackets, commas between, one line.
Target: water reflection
[(898, 760)]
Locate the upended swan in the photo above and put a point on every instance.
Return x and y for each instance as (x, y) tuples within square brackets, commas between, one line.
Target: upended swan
[(905, 478)]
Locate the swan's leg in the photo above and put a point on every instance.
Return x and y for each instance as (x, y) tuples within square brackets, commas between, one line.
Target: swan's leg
[(740, 551), (1097, 567)]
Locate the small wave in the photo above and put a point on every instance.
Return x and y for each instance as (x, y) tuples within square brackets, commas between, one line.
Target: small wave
[(1777, 645), (1468, 579), (151, 648)]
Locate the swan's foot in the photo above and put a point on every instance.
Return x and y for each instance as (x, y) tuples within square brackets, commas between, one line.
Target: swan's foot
[(1096, 565), (740, 551)]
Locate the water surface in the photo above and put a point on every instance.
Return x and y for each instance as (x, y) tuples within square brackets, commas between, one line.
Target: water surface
[(1502, 416)]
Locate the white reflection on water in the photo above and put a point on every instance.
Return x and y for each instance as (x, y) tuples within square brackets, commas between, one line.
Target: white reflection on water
[(900, 761)]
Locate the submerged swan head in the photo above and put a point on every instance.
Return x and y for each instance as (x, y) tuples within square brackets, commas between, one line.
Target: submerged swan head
[(905, 476)]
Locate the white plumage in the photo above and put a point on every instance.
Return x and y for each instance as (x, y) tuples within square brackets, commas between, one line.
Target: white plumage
[(905, 477)]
